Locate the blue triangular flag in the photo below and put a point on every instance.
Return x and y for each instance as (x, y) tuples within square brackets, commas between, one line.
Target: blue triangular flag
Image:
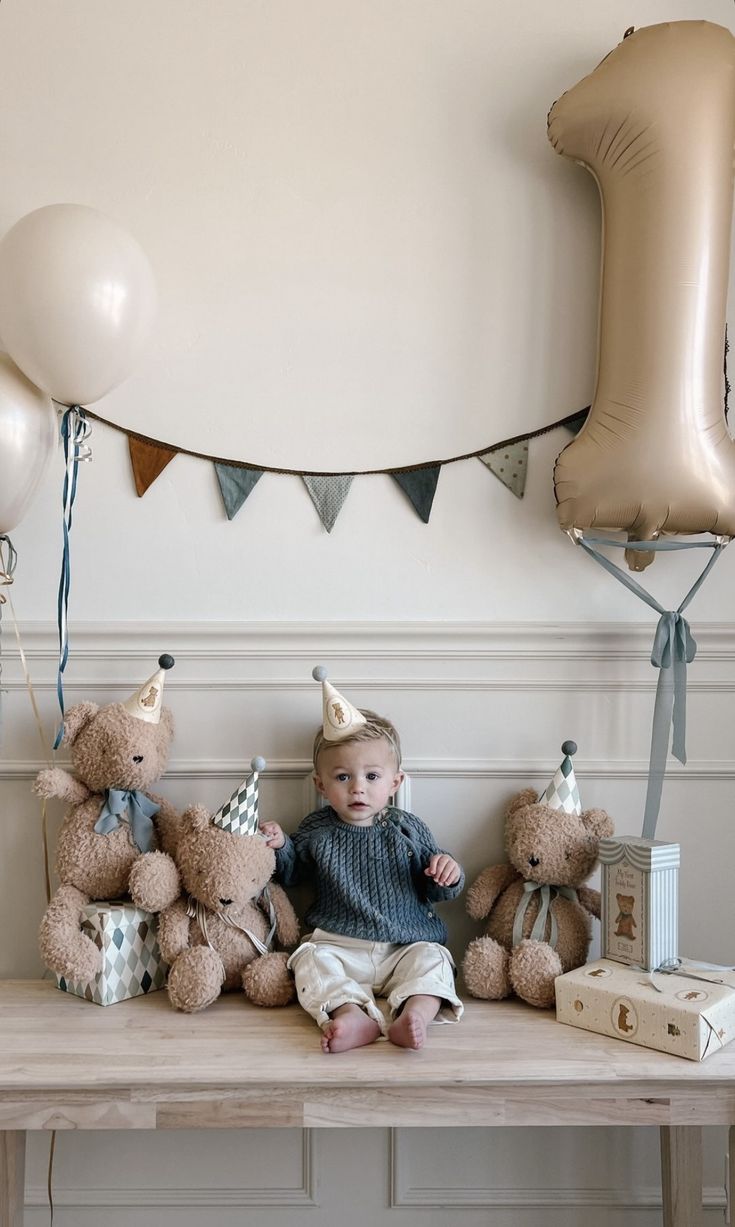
[(235, 485), (420, 486)]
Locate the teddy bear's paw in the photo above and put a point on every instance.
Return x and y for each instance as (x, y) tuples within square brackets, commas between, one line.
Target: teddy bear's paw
[(49, 782), (485, 969), (267, 981), (533, 968), (154, 881), (195, 980), (74, 958)]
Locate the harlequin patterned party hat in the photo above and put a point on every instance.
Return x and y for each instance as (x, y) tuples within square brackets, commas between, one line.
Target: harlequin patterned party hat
[(240, 814), (340, 718), (562, 792), (146, 703)]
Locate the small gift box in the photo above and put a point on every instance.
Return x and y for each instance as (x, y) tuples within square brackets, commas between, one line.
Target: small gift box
[(131, 960), (689, 1011), (640, 904)]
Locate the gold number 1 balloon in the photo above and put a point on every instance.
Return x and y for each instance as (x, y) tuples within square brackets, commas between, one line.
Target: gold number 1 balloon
[(655, 124)]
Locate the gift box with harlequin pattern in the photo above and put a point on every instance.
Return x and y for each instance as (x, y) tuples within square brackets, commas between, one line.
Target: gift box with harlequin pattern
[(131, 960)]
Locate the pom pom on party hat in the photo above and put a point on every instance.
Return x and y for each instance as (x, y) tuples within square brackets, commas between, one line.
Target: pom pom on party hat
[(563, 792), (146, 703), (240, 814), (340, 719)]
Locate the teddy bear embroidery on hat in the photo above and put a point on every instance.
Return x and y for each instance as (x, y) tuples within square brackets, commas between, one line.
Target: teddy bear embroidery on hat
[(340, 719), (538, 906), (217, 937), (109, 841)]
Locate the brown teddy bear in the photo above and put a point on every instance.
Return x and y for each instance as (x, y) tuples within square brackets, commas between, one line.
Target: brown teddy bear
[(218, 938), (539, 910), (625, 920), (109, 839)]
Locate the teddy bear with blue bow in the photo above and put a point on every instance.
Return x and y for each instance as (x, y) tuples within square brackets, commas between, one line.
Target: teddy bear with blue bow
[(538, 905), (116, 838)]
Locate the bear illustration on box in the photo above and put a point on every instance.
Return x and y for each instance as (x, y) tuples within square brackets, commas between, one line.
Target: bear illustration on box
[(625, 920)]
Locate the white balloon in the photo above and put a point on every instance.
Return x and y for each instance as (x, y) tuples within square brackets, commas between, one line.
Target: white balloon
[(28, 431), (77, 300)]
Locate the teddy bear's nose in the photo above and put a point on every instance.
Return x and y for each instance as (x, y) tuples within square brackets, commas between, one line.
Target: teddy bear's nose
[(224, 902), (533, 861), (137, 758)]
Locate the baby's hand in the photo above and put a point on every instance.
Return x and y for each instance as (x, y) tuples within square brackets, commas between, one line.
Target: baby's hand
[(443, 869), (274, 836)]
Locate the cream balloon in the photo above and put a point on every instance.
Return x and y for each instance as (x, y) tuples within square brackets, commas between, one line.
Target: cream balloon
[(28, 432), (655, 124), (77, 301)]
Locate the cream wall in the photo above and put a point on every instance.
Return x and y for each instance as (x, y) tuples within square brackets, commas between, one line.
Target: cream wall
[(457, 296)]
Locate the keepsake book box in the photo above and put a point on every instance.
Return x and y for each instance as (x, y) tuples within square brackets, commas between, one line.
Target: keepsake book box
[(640, 903), (131, 960), (690, 1013)]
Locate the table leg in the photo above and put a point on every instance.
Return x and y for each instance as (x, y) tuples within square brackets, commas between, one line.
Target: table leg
[(12, 1177), (681, 1175)]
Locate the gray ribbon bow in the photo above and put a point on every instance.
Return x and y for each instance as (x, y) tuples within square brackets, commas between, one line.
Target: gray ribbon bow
[(133, 807), (539, 924), (674, 647)]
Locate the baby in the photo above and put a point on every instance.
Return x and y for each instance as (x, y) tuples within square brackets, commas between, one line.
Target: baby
[(377, 874)]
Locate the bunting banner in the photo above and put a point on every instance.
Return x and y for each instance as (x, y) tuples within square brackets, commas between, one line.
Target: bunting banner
[(506, 459)]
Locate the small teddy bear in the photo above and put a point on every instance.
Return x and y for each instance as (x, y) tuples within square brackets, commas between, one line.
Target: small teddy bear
[(217, 938), (625, 920), (109, 839), (538, 906)]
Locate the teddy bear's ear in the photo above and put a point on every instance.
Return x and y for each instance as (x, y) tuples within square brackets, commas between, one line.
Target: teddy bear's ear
[(528, 796), (77, 718), (598, 822), (167, 720), (196, 817)]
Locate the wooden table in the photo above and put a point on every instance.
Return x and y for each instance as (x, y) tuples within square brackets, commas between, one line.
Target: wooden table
[(67, 1064)]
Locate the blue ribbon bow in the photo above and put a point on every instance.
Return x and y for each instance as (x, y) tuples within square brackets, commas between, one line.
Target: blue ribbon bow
[(132, 807), (674, 647), (539, 924)]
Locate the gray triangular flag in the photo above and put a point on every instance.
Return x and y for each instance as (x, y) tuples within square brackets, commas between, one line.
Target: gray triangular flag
[(509, 464), (420, 486), (235, 485), (328, 494)]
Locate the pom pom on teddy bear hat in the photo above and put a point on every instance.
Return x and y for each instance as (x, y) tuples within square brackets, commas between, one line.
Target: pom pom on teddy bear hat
[(340, 719), (563, 793), (239, 815), (146, 702)]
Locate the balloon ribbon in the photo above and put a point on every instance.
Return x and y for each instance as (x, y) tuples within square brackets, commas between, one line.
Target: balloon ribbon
[(674, 647), (74, 431)]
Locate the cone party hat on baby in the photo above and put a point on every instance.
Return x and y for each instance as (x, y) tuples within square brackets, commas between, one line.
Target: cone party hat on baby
[(563, 792), (340, 718), (146, 703), (239, 815)]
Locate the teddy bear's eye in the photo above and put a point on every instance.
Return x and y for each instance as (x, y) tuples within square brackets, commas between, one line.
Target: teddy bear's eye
[(568, 856)]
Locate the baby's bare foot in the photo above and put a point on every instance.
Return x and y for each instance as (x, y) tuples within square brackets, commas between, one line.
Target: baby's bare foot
[(349, 1027), (409, 1029)]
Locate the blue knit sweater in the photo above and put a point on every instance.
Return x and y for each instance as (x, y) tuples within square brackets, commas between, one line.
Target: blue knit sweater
[(369, 881)]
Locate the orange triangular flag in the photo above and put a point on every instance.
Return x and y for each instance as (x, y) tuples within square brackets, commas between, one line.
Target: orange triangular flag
[(148, 460)]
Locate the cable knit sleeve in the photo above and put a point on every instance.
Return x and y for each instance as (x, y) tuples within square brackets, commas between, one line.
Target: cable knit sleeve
[(425, 846), (293, 861)]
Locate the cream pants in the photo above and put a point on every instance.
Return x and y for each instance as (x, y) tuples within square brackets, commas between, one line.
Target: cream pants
[(331, 970)]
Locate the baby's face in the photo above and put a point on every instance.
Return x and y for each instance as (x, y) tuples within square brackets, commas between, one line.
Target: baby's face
[(358, 779)]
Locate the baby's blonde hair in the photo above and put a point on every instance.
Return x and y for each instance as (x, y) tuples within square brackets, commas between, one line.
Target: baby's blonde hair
[(375, 728)]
